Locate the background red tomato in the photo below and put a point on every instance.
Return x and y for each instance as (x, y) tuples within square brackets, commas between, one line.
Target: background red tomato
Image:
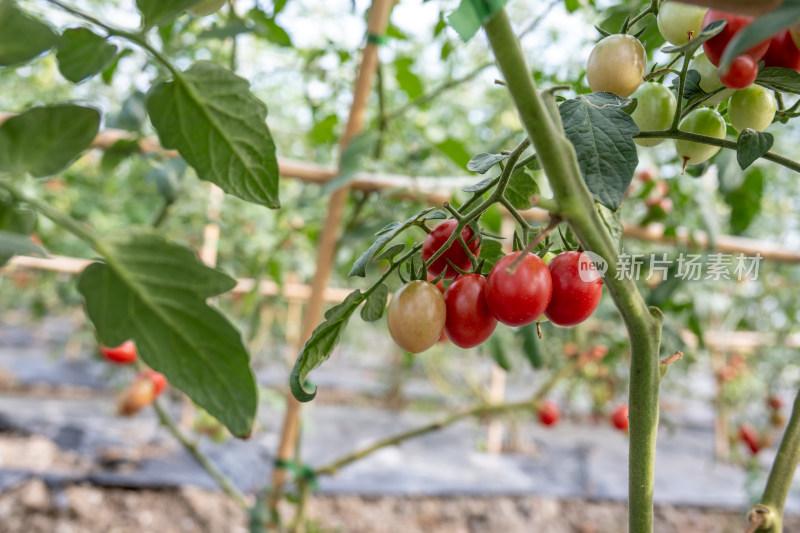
[(549, 413), (715, 47), (782, 52), (620, 418)]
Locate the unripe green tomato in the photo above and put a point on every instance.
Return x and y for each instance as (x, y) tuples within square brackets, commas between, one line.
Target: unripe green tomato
[(752, 108), (617, 65), (206, 7), (709, 79), (655, 110), (416, 316), (676, 20), (703, 121)]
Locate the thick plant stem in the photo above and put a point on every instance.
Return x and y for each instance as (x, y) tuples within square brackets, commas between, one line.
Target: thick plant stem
[(576, 207), (770, 508)]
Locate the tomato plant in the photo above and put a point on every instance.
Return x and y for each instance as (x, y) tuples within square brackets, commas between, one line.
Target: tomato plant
[(454, 254), (753, 107), (124, 354), (617, 65), (577, 288), (416, 316), (520, 298), (469, 321)]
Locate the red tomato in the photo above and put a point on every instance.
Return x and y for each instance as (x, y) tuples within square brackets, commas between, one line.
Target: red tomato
[(549, 413), (519, 299), (136, 397), (782, 52), (157, 378), (620, 418), (454, 253), (775, 402), (715, 47), (124, 354), (749, 436), (469, 321), (741, 74), (574, 299), (440, 286)]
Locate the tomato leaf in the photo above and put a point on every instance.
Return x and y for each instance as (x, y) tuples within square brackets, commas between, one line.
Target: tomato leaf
[(351, 161), (12, 243), (82, 54), (16, 220), (385, 235), (751, 146), (690, 47), (691, 89), (320, 345), (499, 353), (391, 252), (409, 82), (375, 304), (210, 116), (491, 252), (602, 133), (46, 139), (482, 185), (745, 201), (530, 345), (455, 150), (157, 12), (154, 292), (760, 30), (470, 15), (785, 80), (22, 37), (521, 186), (481, 163)]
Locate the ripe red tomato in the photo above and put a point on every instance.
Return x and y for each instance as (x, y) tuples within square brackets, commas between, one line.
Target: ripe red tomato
[(157, 378), (574, 300), (782, 52), (549, 413), (749, 436), (469, 321), (620, 418), (454, 253), (124, 354), (519, 299), (741, 74), (775, 402), (715, 47)]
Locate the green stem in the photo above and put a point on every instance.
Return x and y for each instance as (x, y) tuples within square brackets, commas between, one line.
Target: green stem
[(722, 143), (652, 9), (224, 482), (677, 118), (161, 216), (575, 205), (782, 474), (479, 411)]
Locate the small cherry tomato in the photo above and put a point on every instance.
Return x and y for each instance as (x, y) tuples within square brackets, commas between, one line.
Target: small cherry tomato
[(753, 107), (416, 316), (741, 74), (782, 52), (702, 121), (549, 413), (774, 402), (715, 47), (520, 298), (158, 379), (620, 418), (469, 321), (577, 288), (677, 21), (749, 436), (455, 253), (617, 64), (655, 110), (136, 397), (124, 354)]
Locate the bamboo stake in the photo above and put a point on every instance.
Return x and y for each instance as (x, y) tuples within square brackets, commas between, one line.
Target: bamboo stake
[(376, 26)]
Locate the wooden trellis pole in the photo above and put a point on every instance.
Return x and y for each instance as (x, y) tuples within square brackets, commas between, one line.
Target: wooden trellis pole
[(376, 27)]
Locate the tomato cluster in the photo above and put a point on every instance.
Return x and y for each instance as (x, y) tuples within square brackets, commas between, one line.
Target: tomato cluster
[(145, 388), (517, 292)]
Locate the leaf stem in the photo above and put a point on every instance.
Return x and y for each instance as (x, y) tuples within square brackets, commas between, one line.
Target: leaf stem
[(681, 88)]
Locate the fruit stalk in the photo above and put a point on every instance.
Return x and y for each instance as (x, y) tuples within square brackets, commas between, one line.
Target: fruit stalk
[(576, 206)]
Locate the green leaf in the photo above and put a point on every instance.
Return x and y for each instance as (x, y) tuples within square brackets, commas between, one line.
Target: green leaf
[(352, 160), (320, 345), (745, 201), (157, 12), (46, 139), (470, 15), (760, 30), (409, 82), (785, 80), (481, 185), (613, 223), (481, 163), (17, 220), (751, 146), (690, 47), (324, 131), (82, 54), (155, 292), (530, 345), (691, 89), (22, 37), (12, 243), (390, 252), (521, 186), (384, 236), (267, 28), (209, 115), (571, 5), (499, 353), (455, 151), (375, 304), (602, 133), (491, 252)]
